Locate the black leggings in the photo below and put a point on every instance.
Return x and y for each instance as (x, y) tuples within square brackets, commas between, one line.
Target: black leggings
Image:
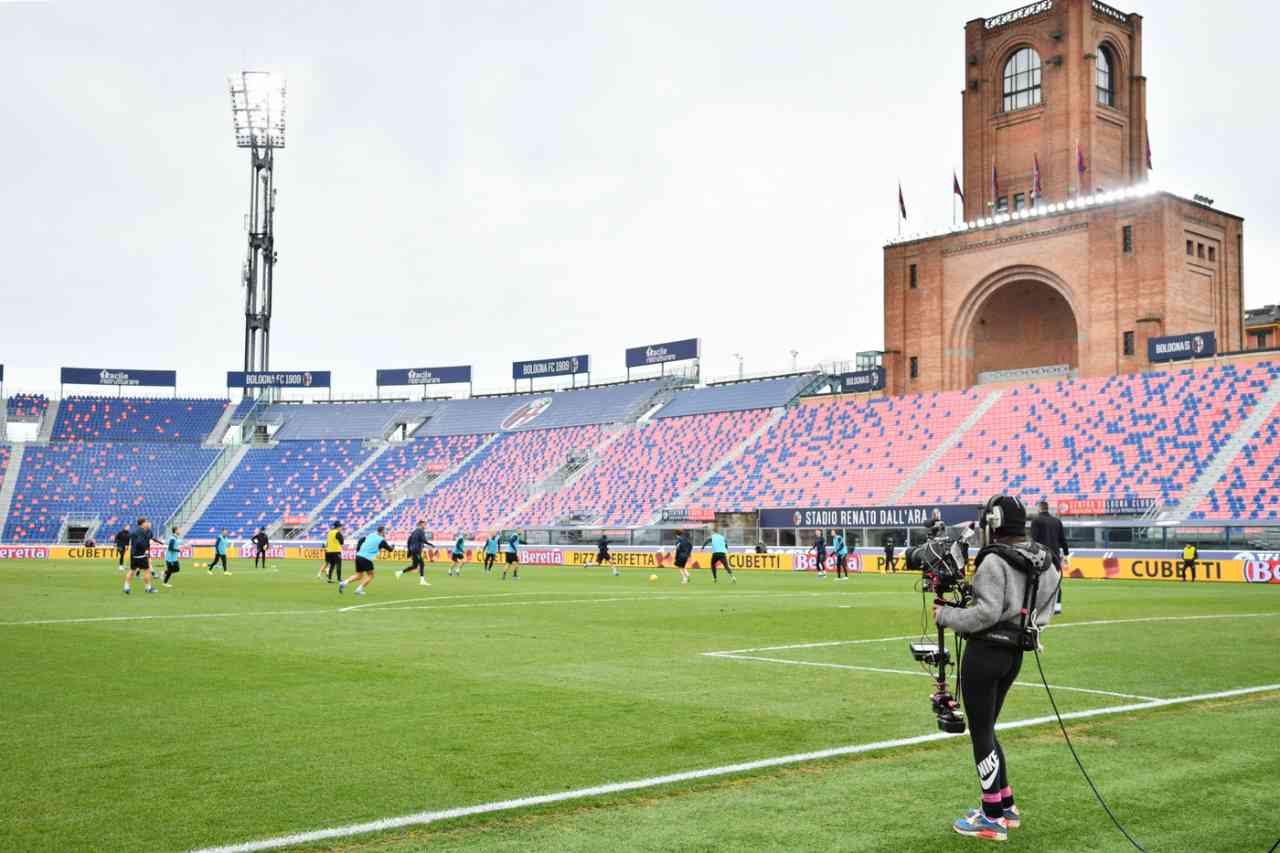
[(260, 555), (219, 558), (415, 562), (986, 674), (488, 561), (723, 560)]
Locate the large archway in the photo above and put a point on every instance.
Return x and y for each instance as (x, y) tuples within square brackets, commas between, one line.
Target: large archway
[(1018, 319)]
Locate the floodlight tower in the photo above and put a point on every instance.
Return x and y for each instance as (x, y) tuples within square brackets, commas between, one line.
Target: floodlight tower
[(257, 108)]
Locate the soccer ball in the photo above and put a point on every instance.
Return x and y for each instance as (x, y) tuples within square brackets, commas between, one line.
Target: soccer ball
[(652, 578)]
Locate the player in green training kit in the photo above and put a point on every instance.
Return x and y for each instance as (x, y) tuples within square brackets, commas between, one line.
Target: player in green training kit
[(172, 553), (719, 555), (366, 552), (490, 552), (513, 557), (459, 551)]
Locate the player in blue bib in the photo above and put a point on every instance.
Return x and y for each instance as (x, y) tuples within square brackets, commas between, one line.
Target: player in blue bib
[(457, 554), (172, 554), (719, 555), (367, 550), (490, 552), (513, 557)]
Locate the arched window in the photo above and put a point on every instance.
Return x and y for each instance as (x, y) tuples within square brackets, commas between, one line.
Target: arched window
[(1106, 78), (1022, 80)]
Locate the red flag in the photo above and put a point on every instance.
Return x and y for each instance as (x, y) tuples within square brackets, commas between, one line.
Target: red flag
[(902, 204), (1080, 164), (1147, 130), (955, 186), (995, 185), (1036, 188)]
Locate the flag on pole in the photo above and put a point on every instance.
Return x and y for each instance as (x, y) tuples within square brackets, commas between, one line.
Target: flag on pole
[(1080, 164), (995, 185), (955, 186), (1036, 188), (902, 204), (1147, 130)]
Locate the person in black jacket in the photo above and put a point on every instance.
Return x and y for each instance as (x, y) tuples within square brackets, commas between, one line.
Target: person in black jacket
[(122, 546), (260, 543), (1047, 531), (890, 564), (417, 541), (140, 555), (683, 549)]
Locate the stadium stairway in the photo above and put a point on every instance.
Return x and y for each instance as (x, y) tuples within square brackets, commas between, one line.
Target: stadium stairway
[(207, 487), (10, 483), (682, 499), (214, 439), (928, 463), (273, 530), (50, 418), (562, 479), (1209, 478), (425, 483)]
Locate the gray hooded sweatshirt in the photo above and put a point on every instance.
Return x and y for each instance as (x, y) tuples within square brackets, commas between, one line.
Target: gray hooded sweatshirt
[(998, 590)]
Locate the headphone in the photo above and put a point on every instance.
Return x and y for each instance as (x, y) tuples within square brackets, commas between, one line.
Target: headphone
[(992, 518)]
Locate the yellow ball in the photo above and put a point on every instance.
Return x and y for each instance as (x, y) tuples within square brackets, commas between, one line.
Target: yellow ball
[(653, 577)]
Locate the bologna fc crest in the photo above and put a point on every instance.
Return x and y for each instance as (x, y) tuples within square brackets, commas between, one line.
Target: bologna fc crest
[(526, 413)]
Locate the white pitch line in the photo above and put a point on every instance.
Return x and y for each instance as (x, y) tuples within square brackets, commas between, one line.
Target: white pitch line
[(750, 596), (1052, 626), (429, 817), (825, 665)]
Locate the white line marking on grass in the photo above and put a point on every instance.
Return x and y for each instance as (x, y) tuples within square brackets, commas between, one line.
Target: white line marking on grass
[(854, 668), (640, 597), (429, 817), (1052, 626)]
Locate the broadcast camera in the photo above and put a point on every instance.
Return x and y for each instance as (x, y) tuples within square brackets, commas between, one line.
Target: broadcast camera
[(941, 564)]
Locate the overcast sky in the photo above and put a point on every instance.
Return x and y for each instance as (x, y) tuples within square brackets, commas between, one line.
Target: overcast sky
[(476, 182)]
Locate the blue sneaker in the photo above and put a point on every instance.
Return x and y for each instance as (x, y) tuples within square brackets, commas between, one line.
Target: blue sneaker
[(977, 825), (1012, 817)]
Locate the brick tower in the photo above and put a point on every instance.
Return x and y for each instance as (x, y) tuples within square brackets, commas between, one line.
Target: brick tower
[(1073, 273)]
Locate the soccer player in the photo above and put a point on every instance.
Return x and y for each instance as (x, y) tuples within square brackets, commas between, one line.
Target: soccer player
[(820, 553), (366, 552), (172, 553), (490, 552), (417, 541), (513, 557), (602, 554), (140, 555), (842, 555), (683, 549), (122, 546), (458, 553), (719, 554), (220, 553), (333, 552), (260, 542)]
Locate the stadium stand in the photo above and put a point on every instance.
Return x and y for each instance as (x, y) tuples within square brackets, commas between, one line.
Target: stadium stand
[(836, 452), (645, 469), (115, 481), (366, 498), (737, 396), (601, 405), (1251, 487), (26, 407), (495, 481), (291, 478), (242, 409), (136, 419), (313, 421), (1143, 435)]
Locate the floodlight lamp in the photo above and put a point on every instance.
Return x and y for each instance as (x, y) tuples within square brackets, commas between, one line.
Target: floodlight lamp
[(258, 109)]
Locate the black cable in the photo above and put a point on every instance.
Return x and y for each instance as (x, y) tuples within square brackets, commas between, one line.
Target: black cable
[(1275, 847), (1080, 763)]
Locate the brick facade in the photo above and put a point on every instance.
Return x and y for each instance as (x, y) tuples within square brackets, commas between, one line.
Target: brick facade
[(1060, 284)]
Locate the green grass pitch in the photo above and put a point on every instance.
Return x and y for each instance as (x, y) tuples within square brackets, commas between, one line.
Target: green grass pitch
[(239, 708)]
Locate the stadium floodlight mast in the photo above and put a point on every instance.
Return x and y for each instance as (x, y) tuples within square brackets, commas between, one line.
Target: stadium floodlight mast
[(258, 110)]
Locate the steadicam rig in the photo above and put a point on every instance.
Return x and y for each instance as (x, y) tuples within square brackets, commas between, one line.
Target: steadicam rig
[(940, 562)]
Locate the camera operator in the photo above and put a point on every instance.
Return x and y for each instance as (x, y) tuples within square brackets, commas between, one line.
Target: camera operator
[(993, 655), (1047, 531)]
